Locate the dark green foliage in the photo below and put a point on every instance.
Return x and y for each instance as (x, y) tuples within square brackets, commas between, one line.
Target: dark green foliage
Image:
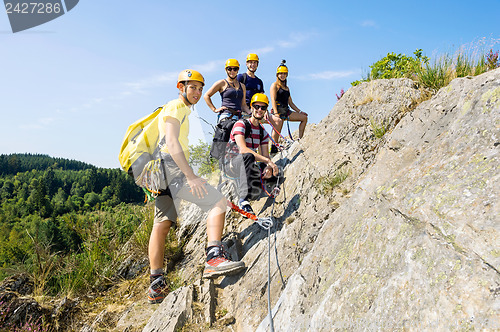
[(14, 163), (436, 74), (396, 66), (57, 204)]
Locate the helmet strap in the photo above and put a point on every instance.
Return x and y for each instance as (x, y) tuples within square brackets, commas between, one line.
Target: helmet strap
[(184, 95)]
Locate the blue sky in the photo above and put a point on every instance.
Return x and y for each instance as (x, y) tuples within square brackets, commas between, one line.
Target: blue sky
[(70, 87)]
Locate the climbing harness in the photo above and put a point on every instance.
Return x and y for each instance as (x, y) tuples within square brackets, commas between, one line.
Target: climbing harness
[(151, 177), (286, 142), (276, 189)]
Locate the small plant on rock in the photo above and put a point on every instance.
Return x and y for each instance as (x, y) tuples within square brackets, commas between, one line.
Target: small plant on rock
[(379, 130), (326, 184), (341, 94), (492, 60)]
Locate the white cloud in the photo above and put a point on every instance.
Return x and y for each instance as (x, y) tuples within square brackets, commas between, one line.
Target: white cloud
[(259, 51), (142, 85), (210, 66), (39, 124), (369, 24), (295, 39), (329, 75)]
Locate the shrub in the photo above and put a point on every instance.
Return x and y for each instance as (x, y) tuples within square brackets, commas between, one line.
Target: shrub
[(437, 73), (199, 158), (397, 66), (492, 60)]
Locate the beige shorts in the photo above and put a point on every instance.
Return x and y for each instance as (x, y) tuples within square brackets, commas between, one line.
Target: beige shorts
[(166, 208)]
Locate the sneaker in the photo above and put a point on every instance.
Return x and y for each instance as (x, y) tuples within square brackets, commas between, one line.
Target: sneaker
[(245, 206), (219, 263), (158, 290)]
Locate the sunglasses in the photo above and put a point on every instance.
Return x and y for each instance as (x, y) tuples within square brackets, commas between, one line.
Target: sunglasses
[(232, 68), (260, 107)]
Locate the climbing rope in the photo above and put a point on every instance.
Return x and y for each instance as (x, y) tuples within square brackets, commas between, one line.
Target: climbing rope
[(267, 224), (275, 191), (287, 142), (288, 125), (151, 176)]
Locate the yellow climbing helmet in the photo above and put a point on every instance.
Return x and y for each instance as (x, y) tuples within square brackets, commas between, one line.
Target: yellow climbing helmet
[(259, 97), (190, 75), (252, 57), (282, 68), (232, 63)]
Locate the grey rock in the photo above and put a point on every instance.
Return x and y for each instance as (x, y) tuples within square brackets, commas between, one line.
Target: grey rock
[(416, 246), (173, 312), (408, 241)]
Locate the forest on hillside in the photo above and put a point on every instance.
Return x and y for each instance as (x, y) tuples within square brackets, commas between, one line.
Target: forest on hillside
[(61, 211)]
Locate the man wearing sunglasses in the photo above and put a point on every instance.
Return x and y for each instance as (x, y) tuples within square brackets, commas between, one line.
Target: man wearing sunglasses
[(248, 156), (232, 94)]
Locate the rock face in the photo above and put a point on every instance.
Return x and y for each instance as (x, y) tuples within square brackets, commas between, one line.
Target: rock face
[(417, 244), (388, 219)]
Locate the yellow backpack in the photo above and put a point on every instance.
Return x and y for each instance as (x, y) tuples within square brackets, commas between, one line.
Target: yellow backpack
[(140, 152), (141, 157)]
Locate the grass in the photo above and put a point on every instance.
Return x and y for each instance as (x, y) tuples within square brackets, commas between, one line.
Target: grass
[(326, 184), (468, 60), (95, 264), (378, 130), (140, 239), (446, 68)]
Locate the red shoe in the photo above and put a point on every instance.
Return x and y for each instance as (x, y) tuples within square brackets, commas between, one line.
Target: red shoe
[(158, 290), (219, 263)]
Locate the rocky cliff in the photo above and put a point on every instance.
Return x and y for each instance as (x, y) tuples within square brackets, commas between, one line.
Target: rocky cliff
[(409, 240), (388, 219)]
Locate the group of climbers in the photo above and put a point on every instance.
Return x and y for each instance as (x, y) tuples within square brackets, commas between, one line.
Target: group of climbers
[(246, 158), (239, 93)]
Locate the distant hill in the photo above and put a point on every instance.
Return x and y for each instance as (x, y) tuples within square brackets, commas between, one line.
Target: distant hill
[(24, 162)]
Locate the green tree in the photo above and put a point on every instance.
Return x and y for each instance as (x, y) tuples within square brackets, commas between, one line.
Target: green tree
[(92, 199), (200, 160), (7, 190)]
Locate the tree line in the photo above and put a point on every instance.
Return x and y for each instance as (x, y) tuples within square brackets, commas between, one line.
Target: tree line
[(53, 201)]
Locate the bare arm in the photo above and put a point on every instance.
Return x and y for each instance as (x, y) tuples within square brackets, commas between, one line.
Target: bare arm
[(217, 87), (273, 91), (244, 107), (242, 145), (271, 167), (172, 129)]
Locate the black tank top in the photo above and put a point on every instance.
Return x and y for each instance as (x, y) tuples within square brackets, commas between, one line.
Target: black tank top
[(231, 98), (282, 98)]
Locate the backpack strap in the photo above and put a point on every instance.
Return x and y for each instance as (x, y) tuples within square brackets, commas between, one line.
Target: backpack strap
[(244, 75), (248, 130)]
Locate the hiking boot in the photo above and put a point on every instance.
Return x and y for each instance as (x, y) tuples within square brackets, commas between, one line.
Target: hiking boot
[(245, 206), (219, 263), (158, 290)]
